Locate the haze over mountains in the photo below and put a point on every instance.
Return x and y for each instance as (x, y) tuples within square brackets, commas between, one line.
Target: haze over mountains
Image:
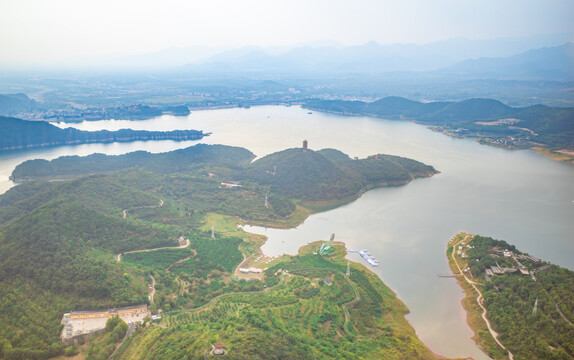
[(552, 63), (542, 57)]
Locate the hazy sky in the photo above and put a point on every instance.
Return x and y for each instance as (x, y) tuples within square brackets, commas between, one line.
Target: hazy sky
[(53, 30)]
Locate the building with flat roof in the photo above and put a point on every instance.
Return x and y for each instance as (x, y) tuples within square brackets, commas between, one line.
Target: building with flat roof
[(88, 322), (95, 314)]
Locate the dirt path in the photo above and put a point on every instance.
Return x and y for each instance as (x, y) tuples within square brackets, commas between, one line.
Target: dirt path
[(125, 212), (236, 272), (183, 245), (479, 300), (344, 306), (561, 314), (177, 262)]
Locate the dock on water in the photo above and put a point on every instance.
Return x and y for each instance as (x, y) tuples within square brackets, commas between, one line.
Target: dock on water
[(365, 255), (447, 275)]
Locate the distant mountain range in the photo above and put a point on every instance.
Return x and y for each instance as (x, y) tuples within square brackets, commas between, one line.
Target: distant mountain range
[(549, 63), (554, 63), (415, 57)]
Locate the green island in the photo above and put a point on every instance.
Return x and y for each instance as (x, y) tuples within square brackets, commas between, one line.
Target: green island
[(21, 134), (548, 130), (519, 307), (161, 230)]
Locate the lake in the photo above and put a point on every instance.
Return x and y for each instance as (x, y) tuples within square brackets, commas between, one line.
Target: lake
[(518, 196)]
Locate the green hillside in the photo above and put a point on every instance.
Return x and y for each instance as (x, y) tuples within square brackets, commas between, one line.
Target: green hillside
[(183, 160), (329, 174), (471, 110), (60, 240), (293, 173), (532, 126), (298, 317), (56, 254)]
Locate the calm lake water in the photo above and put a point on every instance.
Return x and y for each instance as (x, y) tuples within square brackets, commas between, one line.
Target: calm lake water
[(518, 196)]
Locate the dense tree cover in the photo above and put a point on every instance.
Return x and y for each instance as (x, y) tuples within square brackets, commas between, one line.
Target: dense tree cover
[(158, 260), (329, 174), (140, 111), (298, 318), (102, 347), (19, 134), (553, 127), (526, 312), (194, 175), (104, 194), (183, 160), (302, 174), (60, 240), (211, 254), (400, 108)]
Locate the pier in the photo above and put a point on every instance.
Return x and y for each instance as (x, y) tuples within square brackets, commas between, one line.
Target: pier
[(365, 254)]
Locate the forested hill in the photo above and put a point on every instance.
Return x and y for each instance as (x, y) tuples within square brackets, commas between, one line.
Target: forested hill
[(296, 173), (182, 160), (56, 246), (330, 174), (20, 134), (59, 242), (538, 124)]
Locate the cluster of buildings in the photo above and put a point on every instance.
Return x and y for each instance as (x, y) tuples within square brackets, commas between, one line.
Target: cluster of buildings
[(498, 270)]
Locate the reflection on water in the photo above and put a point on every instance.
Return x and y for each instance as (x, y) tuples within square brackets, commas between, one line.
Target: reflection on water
[(517, 196)]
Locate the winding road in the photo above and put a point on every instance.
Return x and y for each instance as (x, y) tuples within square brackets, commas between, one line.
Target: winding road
[(479, 299), (125, 212), (183, 245)]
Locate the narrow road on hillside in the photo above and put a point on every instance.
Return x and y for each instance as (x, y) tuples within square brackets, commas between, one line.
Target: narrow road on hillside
[(125, 212), (184, 244), (479, 300)]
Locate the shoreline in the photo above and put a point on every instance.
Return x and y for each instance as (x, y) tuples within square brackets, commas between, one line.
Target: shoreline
[(476, 315), (563, 155), (340, 258)]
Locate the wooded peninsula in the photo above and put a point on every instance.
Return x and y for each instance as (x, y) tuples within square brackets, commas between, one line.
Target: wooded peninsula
[(518, 305), (61, 246), (20, 134)]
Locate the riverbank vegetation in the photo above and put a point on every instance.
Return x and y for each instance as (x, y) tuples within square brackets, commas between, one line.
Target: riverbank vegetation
[(529, 302)]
